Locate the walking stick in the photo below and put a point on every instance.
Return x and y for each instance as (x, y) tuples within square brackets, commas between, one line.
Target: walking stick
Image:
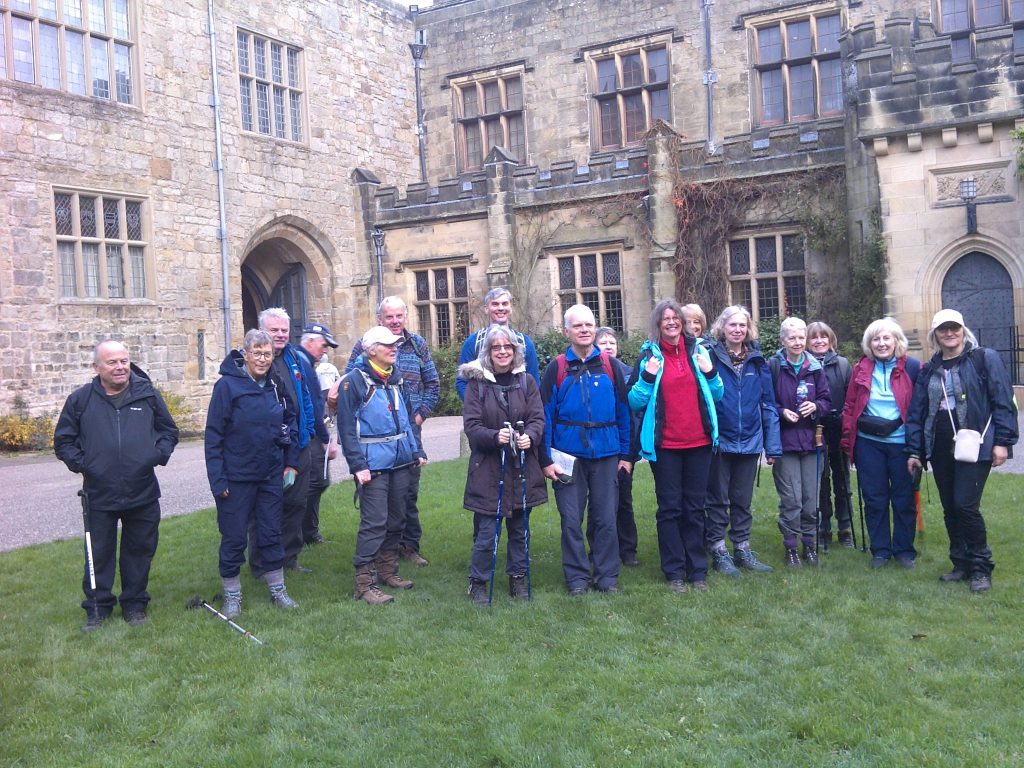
[(497, 520), (849, 498), (860, 505), (521, 429), (90, 566), (916, 482), (197, 602), (819, 444)]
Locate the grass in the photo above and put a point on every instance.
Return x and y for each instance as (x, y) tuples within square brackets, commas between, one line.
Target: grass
[(839, 667)]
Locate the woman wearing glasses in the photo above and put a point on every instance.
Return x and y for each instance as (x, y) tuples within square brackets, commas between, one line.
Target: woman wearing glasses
[(380, 446), (251, 447), (499, 393)]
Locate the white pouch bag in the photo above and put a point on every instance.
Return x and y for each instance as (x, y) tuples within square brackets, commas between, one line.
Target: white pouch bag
[(966, 442)]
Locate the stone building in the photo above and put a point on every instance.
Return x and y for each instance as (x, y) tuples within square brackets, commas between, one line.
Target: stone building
[(791, 156)]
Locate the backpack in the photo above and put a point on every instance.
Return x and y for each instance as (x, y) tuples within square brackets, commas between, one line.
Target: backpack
[(563, 368)]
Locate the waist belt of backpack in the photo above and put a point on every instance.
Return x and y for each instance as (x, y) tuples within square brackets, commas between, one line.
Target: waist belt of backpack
[(387, 439), (586, 424)]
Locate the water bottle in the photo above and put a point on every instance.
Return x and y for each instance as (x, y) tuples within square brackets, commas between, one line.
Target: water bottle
[(801, 393)]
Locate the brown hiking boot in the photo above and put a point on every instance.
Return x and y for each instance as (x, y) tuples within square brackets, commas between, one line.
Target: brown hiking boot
[(387, 571), (517, 587), (413, 556), (478, 592), (846, 538), (366, 588)]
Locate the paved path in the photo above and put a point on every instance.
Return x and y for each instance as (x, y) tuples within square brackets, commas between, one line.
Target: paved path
[(40, 502)]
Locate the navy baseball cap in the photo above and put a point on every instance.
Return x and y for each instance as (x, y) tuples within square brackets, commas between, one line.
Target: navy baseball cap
[(322, 330)]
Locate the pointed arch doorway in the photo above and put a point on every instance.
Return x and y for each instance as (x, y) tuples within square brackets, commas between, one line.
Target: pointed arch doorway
[(268, 281), (982, 290)]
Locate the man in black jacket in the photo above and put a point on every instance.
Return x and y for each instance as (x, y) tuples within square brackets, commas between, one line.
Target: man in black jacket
[(114, 431)]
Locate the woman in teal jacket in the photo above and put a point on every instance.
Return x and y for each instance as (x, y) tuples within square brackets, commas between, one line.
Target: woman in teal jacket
[(676, 385)]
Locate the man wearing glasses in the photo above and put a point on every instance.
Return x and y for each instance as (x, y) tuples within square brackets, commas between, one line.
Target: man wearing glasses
[(498, 306)]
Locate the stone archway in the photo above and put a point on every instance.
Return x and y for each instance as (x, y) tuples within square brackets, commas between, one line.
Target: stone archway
[(286, 266), (982, 290)]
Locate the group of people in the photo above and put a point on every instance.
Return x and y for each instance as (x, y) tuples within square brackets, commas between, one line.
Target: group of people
[(702, 410)]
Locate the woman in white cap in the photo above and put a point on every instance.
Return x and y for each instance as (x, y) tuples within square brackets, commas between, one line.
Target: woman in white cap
[(963, 387), (380, 446)]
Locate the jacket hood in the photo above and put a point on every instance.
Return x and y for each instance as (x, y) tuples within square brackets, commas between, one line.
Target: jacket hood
[(233, 364), (812, 362), (473, 371)]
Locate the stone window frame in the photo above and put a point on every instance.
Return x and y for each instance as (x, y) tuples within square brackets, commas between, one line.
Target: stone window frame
[(812, 60), (768, 292), (102, 248), (960, 19), (611, 103), (478, 127), (271, 86), (43, 43), (442, 307), (590, 277)]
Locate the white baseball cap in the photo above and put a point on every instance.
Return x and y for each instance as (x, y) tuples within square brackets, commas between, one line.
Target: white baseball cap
[(379, 335), (944, 316)]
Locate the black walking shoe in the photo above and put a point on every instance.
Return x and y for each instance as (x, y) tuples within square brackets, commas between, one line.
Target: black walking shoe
[(980, 582), (136, 618), (846, 539), (955, 575), (477, 591), (810, 556), (517, 587), (630, 561), (793, 558), (92, 623)]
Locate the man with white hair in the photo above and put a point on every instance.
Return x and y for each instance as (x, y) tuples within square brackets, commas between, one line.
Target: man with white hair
[(421, 388), (588, 419), (114, 431), (498, 307)]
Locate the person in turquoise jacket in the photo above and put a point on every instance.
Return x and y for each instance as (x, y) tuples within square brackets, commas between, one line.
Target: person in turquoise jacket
[(676, 385)]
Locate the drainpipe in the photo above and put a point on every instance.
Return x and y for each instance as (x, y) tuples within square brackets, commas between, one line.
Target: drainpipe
[(418, 49), (710, 77), (222, 229), (377, 235)]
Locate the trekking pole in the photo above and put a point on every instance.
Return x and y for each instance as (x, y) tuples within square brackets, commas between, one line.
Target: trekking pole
[(860, 505), (819, 443), (849, 498), (89, 564), (521, 429), (497, 520), (198, 602), (916, 483)]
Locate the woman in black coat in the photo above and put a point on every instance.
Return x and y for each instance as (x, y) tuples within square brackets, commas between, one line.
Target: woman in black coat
[(498, 393), (963, 386)]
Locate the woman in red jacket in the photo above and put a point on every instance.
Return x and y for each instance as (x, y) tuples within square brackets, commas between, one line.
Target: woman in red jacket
[(874, 437)]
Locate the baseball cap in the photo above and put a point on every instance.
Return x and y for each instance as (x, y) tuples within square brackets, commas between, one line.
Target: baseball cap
[(379, 335), (322, 330), (944, 316)]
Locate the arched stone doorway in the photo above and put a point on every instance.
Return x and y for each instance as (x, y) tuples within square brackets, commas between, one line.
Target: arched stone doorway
[(285, 266), (981, 289)]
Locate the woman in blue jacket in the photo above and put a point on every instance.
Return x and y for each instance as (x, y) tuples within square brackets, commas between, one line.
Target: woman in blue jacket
[(251, 451), (675, 385), (748, 424), (381, 448)]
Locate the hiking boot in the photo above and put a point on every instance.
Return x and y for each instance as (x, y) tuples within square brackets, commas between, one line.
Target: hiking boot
[(413, 556), (611, 589), (723, 563), (792, 558), (981, 582), (387, 571), (846, 539), (280, 598), (135, 618), (678, 585), (878, 562), (630, 561), (366, 588), (517, 587), (810, 555), (955, 575), (316, 538), (92, 623), (232, 604), (824, 539), (577, 591), (747, 560), (478, 591), (700, 585), (906, 562)]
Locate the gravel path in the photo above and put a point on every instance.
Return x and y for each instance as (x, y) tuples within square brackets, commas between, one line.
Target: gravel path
[(40, 501)]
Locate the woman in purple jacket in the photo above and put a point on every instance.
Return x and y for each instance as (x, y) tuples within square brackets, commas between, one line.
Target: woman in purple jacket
[(802, 396)]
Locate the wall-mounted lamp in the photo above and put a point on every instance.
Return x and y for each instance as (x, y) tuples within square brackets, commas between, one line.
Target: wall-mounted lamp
[(969, 193), (377, 235)]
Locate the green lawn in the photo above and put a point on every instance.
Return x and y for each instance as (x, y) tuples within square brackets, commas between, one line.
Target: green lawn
[(837, 667)]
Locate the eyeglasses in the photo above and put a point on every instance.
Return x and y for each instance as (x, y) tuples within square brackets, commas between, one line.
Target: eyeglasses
[(502, 348), (260, 355)]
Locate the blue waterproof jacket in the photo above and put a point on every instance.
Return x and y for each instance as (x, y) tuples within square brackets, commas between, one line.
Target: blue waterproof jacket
[(251, 431), (375, 421), (586, 415), (748, 421), (645, 395)]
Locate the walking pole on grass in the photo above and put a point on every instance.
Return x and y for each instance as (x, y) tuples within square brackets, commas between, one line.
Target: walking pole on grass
[(90, 566), (521, 429), (497, 519), (860, 505), (819, 444), (849, 498), (916, 482)]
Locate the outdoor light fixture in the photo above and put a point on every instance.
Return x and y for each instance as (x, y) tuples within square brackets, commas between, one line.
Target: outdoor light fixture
[(377, 235), (969, 193)]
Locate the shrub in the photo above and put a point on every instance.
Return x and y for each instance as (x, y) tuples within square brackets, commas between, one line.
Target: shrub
[(20, 431), (181, 412), (447, 361)]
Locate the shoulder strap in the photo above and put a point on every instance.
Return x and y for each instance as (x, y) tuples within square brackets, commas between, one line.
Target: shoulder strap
[(978, 359), (773, 366), (563, 366)]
